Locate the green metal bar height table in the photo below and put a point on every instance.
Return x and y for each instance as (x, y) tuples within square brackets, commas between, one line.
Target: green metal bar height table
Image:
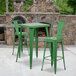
[(34, 27)]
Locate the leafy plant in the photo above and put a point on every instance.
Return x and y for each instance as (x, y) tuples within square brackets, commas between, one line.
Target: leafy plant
[(27, 4), (10, 6), (63, 6), (2, 6), (72, 4)]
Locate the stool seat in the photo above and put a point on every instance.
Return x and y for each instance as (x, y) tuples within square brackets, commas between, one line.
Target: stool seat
[(52, 39)]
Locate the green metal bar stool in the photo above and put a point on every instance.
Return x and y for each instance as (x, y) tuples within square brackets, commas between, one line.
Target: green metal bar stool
[(53, 44), (17, 33)]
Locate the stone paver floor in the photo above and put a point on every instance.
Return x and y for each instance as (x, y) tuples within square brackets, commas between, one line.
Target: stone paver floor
[(8, 66)]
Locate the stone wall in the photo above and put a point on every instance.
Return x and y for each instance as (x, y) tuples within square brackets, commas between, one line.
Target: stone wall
[(69, 35), (2, 19), (18, 5), (43, 6), (2, 27), (28, 17), (41, 11)]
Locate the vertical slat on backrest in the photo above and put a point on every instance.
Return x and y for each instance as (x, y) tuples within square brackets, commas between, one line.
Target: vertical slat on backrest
[(16, 26), (59, 29)]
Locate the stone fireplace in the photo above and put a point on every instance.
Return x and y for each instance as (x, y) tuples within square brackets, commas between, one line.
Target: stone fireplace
[(43, 11), (28, 18), (36, 13)]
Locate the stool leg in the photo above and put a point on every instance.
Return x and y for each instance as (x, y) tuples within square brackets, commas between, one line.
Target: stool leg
[(21, 44), (18, 49), (27, 45), (51, 54), (43, 56), (36, 41), (17, 55), (55, 55), (13, 45), (63, 55)]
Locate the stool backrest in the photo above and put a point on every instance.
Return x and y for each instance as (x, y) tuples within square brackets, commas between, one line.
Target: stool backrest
[(60, 28), (16, 26)]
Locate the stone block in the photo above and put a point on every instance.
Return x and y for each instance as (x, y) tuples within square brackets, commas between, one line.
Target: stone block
[(9, 41), (74, 20)]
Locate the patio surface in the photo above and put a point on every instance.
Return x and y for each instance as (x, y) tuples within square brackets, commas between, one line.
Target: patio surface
[(9, 67)]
